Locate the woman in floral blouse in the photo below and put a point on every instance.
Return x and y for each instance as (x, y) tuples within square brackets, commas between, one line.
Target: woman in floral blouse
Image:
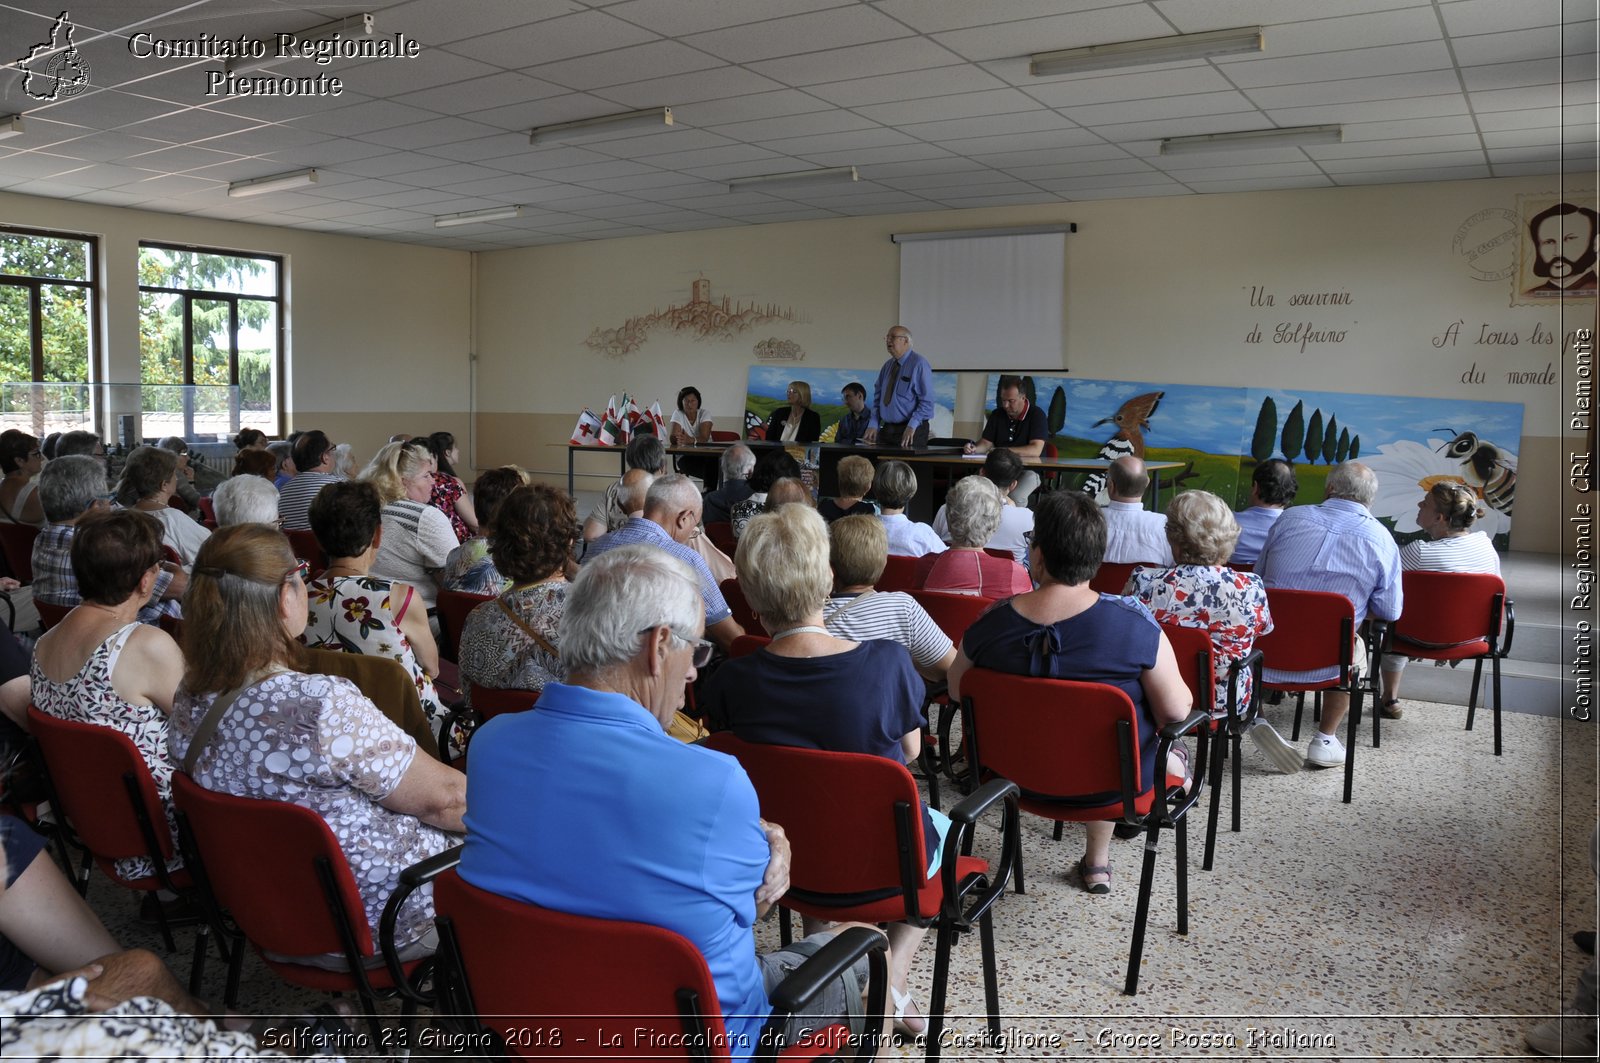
[(449, 495), (355, 612)]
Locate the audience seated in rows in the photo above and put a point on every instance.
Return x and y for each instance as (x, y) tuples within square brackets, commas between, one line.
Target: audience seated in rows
[(1200, 591), (855, 481), (417, 538), (894, 486), (1337, 546), (513, 642), (1001, 468), (282, 452), (812, 689), (100, 665), (1446, 513), (449, 495), (187, 490), (81, 442), (671, 520), (469, 568), (71, 488), (1133, 533), (250, 439), (735, 466), (245, 499), (588, 806), (313, 457), (20, 462), (353, 611), (314, 740), (789, 489), (644, 451), (973, 509), (1272, 488), (1066, 630), (261, 463), (775, 464), (149, 478), (858, 551)]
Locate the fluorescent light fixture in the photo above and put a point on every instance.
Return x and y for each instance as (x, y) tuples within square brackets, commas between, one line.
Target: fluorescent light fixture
[(1254, 140), (353, 26), (11, 126), (649, 120), (833, 175), (473, 217), (1145, 52), (260, 186)]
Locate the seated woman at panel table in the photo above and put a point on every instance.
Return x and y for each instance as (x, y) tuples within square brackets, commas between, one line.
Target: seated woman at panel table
[(149, 478), (855, 480), (312, 740), (1200, 591), (1447, 513), (353, 611), (1066, 630), (796, 422), (790, 691), (513, 642), (470, 568), (417, 538), (20, 461), (973, 510), (691, 427), (100, 665)]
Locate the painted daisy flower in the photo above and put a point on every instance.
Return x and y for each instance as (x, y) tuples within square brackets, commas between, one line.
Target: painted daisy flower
[(1407, 470)]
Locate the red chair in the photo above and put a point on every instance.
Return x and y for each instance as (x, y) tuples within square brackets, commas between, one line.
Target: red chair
[(954, 613), (86, 767), (899, 574), (454, 606), (741, 606), (603, 988), (1313, 631), (718, 436), (745, 645), (854, 823), (306, 905), (1456, 616), (1197, 662), (489, 702), (208, 512), (1112, 576), (306, 547), (1062, 742), (50, 614), (720, 532), (16, 544)]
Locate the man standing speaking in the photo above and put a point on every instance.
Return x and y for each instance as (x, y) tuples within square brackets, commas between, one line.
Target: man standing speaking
[(902, 399)]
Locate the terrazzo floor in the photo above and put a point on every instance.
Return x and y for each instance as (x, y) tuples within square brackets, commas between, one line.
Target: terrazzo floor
[(1431, 917)]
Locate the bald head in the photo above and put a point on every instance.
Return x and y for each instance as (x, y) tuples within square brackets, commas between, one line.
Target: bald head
[(1128, 479), (786, 490), (636, 485)]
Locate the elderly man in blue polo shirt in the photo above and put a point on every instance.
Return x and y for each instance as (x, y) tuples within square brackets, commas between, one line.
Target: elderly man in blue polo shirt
[(902, 399), (1336, 546), (671, 519)]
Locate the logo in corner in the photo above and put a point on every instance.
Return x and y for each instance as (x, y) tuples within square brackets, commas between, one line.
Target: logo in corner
[(55, 70)]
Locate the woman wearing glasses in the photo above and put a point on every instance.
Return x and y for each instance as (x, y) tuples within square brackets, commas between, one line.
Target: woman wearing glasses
[(20, 461)]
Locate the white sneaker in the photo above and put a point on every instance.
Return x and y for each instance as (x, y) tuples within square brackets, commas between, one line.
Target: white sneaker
[(1326, 752), (1571, 1037), (1284, 756)]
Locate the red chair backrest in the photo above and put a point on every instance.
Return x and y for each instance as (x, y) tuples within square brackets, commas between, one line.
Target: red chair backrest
[(1112, 576), (995, 551), (16, 543), (1450, 608), (489, 702), (745, 645), (1308, 628), (1054, 737), (1192, 646), (305, 545), (87, 764), (171, 555), (741, 606), (835, 808), (208, 512), (720, 532), (954, 613), (899, 574), (623, 978), (50, 614), (718, 436), (1049, 450), (1242, 566), (172, 625), (454, 607), (282, 909)]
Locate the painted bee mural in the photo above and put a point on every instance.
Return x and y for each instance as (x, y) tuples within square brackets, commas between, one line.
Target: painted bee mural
[(1489, 469)]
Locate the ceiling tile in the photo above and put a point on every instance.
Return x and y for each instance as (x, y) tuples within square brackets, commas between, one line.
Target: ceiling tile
[(837, 64), (1529, 72), (431, 67), (481, 94), (429, 134), (1171, 107), (652, 60), (1389, 177), (695, 160), (261, 139), (1166, 81), (545, 110), (584, 33), (1453, 103), (804, 147), (1261, 184), (442, 23), (683, 17), (989, 125), (1369, 62), (677, 139), (1105, 25), (1356, 90), (1195, 16), (932, 16), (813, 32), (962, 105), (1367, 149), (913, 85), (797, 125), (1463, 17), (757, 106), (1439, 160), (365, 118), (1541, 42), (1043, 175), (688, 88)]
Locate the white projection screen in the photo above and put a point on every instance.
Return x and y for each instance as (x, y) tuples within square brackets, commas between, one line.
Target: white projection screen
[(986, 302)]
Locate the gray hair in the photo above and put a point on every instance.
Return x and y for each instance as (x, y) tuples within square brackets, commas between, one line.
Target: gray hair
[(1201, 529), (245, 500), (344, 461), (1352, 481), (176, 444), (737, 462), (617, 596), (281, 449), (645, 452), (670, 493), (894, 485), (973, 509), (70, 485), (79, 442)]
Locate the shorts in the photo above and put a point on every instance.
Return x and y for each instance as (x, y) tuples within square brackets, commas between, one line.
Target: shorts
[(838, 1002)]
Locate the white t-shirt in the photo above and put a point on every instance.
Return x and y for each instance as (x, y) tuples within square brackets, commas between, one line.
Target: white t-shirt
[(181, 532), (681, 419)]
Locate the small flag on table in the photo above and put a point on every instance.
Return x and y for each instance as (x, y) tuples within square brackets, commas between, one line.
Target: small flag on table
[(587, 431)]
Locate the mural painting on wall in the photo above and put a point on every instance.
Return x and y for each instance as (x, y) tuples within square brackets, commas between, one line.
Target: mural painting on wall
[(1557, 249), (773, 349), (768, 389), (701, 317)]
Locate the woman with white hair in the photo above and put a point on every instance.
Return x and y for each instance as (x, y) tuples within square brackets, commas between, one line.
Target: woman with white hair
[(973, 511), (810, 689), (245, 499), (417, 537)]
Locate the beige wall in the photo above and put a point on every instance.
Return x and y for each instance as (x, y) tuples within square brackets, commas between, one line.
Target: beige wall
[(378, 333), (1158, 289)]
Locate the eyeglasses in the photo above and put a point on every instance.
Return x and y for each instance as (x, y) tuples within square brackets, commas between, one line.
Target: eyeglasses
[(702, 648), (1027, 539)]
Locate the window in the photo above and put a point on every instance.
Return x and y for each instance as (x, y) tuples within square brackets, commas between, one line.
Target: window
[(47, 311), (210, 341)]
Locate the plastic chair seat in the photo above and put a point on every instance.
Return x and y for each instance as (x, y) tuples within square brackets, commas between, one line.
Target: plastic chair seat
[(889, 909)]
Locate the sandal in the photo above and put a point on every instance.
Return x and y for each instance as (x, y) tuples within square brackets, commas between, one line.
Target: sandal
[(1098, 889), (1181, 751), (902, 1024), (1390, 710)]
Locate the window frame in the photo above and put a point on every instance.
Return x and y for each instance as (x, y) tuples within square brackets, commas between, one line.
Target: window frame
[(35, 286)]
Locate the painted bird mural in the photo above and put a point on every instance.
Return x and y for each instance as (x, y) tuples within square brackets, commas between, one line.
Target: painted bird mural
[(1132, 420)]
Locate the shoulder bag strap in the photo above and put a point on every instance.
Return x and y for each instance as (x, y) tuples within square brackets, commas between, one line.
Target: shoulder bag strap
[(208, 728), (527, 628), (857, 600)]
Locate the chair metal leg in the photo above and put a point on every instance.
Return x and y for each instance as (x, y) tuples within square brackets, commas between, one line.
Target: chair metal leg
[(1299, 708), (941, 974), (1181, 847), (785, 935), (166, 928), (1497, 706), (928, 761), (1016, 873), (1238, 773), (1472, 698), (991, 976), (230, 995), (197, 967), (1056, 834), (1377, 720), (1350, 741), (1216, 806), (1130, 985)]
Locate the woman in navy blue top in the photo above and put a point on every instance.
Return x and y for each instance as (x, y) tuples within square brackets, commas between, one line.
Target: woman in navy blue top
[(812, 690), (1066, 630)]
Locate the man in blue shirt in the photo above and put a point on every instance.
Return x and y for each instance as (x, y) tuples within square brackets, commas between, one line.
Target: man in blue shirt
[(853, 426), (1338, 546), (902, 399), (1272, 488)]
